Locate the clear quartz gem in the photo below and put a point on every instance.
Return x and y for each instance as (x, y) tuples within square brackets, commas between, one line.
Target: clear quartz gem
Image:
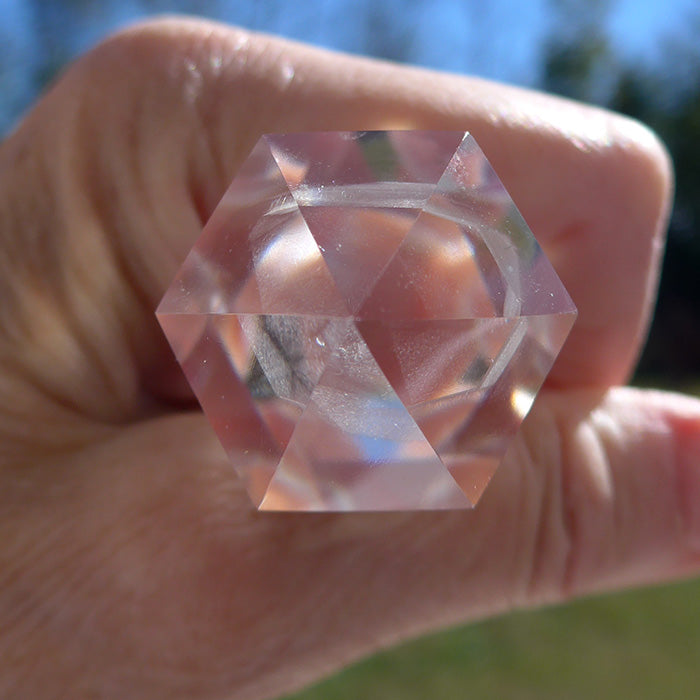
[(366, 320)]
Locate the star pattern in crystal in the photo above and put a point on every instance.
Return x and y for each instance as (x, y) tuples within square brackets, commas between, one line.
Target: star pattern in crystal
[(366, 320)]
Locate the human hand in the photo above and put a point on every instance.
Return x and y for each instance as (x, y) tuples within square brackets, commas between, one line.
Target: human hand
[(131, 563)]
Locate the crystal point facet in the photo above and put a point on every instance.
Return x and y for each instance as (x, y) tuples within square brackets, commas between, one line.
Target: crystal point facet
[(366, 320)]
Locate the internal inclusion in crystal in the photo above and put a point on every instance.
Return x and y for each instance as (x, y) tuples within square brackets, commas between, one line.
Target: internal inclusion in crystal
[(366, 344)]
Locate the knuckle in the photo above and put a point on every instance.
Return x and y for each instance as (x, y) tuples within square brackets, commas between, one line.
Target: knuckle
[(574, 506), (547, 537)]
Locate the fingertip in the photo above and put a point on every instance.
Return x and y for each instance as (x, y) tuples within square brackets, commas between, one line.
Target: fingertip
[(646, 153), (641, 175), (678, 416), (644, 528), (684, 422)]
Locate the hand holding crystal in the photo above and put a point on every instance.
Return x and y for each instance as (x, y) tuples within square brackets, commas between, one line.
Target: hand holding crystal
[(131, 561)]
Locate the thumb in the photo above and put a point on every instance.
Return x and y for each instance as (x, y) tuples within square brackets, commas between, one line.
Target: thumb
[(598, 492), (618, 494)]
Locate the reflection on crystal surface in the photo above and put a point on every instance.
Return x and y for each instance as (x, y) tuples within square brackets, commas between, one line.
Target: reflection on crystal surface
[(366, 320)]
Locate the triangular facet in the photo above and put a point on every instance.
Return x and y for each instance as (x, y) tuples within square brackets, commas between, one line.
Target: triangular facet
[(319, 159), (441, 269), (357, 243), (356, 447), (216, 275), (345, 158), (441, 420), (523, 282), (256, 254), (471, 431), (428, 360), (437, 272), (469, 254), (472, 472), (215, 347), (510, 387), (290, 273), (360, 193)]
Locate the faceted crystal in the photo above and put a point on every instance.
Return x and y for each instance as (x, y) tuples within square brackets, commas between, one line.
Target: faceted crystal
[(365, 320)]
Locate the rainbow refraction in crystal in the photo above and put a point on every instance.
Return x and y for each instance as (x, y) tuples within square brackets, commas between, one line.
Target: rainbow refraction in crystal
[(366, 320)]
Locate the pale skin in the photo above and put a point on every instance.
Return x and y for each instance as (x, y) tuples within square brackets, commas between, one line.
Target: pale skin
[(131, 563)]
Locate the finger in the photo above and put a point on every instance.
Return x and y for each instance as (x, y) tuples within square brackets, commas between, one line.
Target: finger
[(578, 173), (191, 594), (139, 140)]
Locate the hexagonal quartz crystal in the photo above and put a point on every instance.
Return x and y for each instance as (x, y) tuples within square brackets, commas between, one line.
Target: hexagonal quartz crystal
[(365, 320)]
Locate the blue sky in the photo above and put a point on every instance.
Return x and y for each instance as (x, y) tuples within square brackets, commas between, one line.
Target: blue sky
[(498, 39), (639, 27)]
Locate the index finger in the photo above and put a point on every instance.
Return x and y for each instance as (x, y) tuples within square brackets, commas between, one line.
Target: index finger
[(593, 186), (156, 122)]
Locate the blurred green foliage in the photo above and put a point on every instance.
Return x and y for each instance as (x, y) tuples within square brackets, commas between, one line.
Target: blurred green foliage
[(642, 645)]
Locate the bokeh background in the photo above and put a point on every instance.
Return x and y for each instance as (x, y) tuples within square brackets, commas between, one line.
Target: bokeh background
[(640, 57)]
